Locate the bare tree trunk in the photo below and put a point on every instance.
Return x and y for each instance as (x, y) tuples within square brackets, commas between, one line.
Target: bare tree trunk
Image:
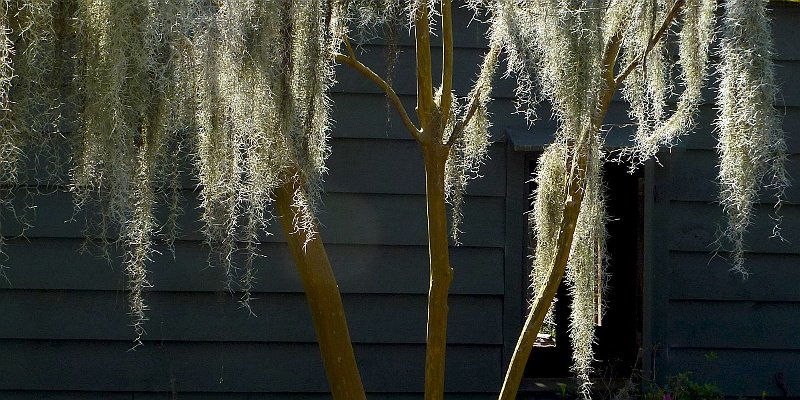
[(441, 274), (544, 298), (324, 299)]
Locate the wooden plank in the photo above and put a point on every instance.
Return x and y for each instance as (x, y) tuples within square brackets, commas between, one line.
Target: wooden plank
[(737, 372), (704, 136), (171, 395), (694, 227), (207, 316), (64, 395), (694, 178), (400, 220), (356, 165), (656, 284), (345, 218), (786, 73), (46, 263), (224, 366), (396, 167), (701, 276), (785, 31), (515, 253), (365, 115), (735, 324)]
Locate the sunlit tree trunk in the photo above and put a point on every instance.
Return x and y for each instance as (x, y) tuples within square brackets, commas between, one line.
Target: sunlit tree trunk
[(324, 299)]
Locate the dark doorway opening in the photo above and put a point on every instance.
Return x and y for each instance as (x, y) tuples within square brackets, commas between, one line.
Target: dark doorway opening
[(619, 338)]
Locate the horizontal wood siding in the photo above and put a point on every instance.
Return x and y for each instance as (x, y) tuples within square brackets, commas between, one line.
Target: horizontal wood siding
[(65, 332), (82, 365), (732, 332)]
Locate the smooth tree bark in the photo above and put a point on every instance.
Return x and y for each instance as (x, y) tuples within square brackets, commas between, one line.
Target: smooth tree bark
[(571, 210), (432, 114), (322, 293)]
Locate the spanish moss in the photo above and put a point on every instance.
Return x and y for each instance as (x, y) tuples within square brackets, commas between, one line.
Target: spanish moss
[(751, 145)]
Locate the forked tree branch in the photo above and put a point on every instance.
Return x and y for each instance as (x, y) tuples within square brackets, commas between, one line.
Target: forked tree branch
[(351, 60), (673, 12), (570, 212)]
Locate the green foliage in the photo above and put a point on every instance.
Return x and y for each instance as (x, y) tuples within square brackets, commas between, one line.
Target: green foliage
[(682, 387)]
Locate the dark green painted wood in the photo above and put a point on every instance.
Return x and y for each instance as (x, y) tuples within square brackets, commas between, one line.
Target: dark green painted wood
[(59, 395), (735, 324), (515, 252), (694, 227), (365, 115), (694, 178), (737, 372), (46, 263), (656, 266), (785, 31), (225, 366), (210, 317), (705, 137), (701, 276), (396, 167), (345, 218)]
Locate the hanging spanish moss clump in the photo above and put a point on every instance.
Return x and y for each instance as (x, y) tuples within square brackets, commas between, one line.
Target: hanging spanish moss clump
[(551, 190), (647, 87), (37, 89), (565, 61), (471, 141), (585, 274), (751, 144), (9, 137), (123, 79), (9, 140), (262, 71)]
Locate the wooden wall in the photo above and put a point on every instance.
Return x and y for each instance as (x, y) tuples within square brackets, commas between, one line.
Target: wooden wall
[(64, 329), (737, 334)]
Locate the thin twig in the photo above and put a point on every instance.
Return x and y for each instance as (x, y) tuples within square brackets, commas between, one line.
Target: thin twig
[(673, 12), (351, 60)]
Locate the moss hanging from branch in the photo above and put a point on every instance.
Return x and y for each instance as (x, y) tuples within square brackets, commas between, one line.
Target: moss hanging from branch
[(751, 145)]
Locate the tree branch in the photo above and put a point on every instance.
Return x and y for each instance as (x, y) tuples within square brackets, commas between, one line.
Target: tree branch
[(458, 130), (447, 58), (673, 12), (425, 104), (352, 61)]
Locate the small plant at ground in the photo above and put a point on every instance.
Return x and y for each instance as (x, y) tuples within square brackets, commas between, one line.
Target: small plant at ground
[(682, 387)]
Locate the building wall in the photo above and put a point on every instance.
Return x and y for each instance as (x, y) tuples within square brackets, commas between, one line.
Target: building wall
[(64, 332), (64, 328), (737, 334)]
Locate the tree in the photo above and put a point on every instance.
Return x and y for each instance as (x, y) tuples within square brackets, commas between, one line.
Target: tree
[(241, 86)]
